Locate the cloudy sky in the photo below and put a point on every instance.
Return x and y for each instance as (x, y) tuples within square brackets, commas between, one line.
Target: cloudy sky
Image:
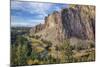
[(31, 13)]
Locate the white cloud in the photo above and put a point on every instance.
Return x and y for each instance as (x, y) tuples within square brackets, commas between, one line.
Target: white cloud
[(30, 23), (37, 9), (32, 7), (16, 5), (58, 8), (22, 24)]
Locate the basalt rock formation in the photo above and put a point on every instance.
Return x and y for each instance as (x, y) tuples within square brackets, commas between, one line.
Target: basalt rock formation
[(74, 23)]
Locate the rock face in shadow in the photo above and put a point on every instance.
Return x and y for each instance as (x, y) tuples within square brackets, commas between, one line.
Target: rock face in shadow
[(79, 22), (74, 23)]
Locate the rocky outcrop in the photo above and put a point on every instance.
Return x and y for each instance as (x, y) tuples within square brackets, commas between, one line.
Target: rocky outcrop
[(76, 23), (37, 28), (79, 22)]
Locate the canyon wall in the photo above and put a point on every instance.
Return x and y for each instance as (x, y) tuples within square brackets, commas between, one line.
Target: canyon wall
[(73, 23)]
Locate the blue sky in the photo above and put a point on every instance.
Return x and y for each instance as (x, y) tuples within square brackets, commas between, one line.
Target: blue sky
[(32, 13)]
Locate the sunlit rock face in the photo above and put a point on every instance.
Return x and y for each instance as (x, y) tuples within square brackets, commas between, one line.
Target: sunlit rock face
[(76, 23)]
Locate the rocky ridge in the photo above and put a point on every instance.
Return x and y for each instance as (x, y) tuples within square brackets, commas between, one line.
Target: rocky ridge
[(74, 23)]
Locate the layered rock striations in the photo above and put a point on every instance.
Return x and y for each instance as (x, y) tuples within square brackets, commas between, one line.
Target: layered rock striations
[(73, 23)]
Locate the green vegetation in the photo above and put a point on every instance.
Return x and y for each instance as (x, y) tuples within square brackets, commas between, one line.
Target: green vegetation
[(19, 51), (32, 50)]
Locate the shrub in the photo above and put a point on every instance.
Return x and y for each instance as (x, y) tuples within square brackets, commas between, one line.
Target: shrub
[(68, 51), (19, 51)]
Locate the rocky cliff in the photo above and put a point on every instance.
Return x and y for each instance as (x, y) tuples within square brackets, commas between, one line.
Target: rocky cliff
[(79, 22), (73, 23)]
